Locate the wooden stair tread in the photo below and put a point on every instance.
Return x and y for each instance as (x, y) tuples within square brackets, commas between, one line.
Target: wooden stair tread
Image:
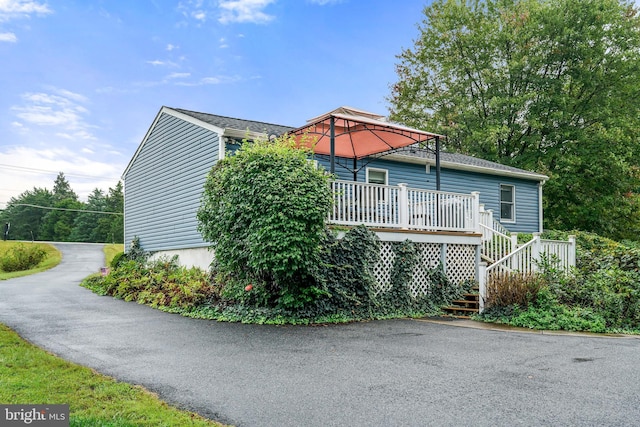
[(456, 308), (464, 302)]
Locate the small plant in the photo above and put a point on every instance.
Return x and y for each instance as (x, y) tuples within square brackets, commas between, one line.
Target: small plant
[(115, 262), (22, 257), (513, 289), (136, 252)]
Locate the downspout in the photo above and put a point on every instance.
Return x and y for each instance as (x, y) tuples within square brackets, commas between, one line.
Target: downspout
[(540, 208)]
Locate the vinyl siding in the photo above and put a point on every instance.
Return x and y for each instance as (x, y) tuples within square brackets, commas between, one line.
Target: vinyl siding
[(164, 184), (456, 181)]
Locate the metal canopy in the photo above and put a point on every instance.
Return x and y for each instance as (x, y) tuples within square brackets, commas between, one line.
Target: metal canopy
[(348, 133)]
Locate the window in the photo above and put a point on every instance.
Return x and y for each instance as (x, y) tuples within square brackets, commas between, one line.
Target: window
[(377, 195), (377, 176), (507, 203)]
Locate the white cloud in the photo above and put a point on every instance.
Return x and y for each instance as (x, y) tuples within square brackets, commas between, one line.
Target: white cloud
[(244, 11), (59, 109), (15, 9), (158, 63), (8, 37), (178, 75), (171, 47), (12, 9), (199, 15), (37, 167), (216, 80), (324, 2)]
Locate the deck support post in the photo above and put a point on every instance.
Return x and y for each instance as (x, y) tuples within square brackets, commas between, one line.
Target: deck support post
[(476, 212), (443, 257), (403, 206), (572, 251), (482, 285)]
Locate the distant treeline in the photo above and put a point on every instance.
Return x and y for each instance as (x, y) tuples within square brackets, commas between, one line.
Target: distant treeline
[(58, 215)]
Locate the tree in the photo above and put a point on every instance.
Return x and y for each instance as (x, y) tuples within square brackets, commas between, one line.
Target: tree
[(546, 85), (62, 189), (114, 224), (86, 226), (57, 224), (25, 220)]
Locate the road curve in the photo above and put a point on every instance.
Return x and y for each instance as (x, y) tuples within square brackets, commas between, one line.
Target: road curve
[(387, 373)]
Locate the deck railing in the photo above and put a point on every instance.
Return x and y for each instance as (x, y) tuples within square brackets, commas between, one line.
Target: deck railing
[(399, 206)]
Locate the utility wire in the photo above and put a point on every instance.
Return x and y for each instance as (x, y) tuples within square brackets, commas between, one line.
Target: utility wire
[(67, 209), (35, 170)]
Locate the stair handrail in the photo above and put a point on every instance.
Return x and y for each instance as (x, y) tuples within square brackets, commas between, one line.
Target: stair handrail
[(493, 250), (516, 252)]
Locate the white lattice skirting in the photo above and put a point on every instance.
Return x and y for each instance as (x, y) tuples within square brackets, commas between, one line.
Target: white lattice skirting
[(458, 260)]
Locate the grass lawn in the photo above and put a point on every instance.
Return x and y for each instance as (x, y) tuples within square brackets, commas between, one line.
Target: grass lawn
[(111, 250), (29, 375), (33, 376), (52, 259)]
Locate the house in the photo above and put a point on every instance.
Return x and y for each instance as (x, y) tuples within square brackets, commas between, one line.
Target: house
[(393, 191)]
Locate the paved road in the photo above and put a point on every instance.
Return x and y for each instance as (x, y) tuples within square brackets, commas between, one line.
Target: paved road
[(390, 373)]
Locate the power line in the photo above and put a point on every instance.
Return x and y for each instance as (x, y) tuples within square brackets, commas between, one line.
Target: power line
[(67, 209), (36, 170)]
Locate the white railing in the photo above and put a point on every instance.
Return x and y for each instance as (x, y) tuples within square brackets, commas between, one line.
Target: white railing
[(497, 241), (527, 259), (523, 260), (559, 254), (402, 207)]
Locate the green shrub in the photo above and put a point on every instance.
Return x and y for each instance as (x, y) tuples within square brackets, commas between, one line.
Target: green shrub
[(263, 211), (117, 258), (546, 313), (601, 294), (160, 283), (22, 257)]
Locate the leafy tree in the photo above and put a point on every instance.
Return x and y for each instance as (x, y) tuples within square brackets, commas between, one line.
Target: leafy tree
[(263, 210), (57, 224), (86, 226), (26, 221), (546, 85), (115, 203)]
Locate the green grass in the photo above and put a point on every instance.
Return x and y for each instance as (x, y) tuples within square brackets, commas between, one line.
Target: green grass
[(111, 250), (52, 259), (33, 376)]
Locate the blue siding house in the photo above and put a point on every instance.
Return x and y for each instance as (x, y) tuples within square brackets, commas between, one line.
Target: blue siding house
[(164, 180)]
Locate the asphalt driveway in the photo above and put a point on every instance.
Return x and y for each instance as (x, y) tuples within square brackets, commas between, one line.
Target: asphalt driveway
[(388, 373)]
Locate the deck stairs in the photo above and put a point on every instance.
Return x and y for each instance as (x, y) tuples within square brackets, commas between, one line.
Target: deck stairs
[(466, 306)]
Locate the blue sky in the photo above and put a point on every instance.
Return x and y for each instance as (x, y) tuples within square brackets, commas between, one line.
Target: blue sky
[(81, 81)]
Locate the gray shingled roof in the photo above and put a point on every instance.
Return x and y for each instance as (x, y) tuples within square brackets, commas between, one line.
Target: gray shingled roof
[(463, 159), (237, 124), (273, 129)]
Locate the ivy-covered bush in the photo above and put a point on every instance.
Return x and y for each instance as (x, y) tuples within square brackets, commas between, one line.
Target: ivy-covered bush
[(263, 211), (346, 271), (22, 257)]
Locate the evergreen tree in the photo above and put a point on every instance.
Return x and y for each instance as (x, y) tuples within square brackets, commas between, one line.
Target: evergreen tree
[(58, 223), (86, 227)]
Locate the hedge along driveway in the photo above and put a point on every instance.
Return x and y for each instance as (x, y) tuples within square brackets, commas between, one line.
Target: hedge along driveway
[(377, 373)]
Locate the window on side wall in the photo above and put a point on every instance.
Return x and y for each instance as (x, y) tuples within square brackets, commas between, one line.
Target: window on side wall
[(377, 176), (507, 203)]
